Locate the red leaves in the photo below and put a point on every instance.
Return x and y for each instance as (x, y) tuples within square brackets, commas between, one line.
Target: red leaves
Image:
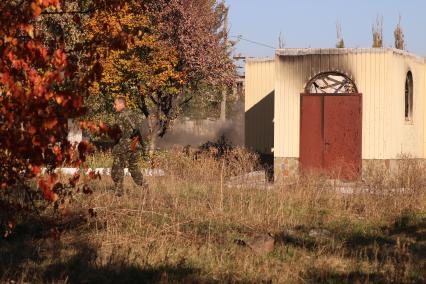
[(35, 104), (58, 152), (73, 181), (50, 123), (30, 76), (32, 130), (84, 148), (89, 125), (37, 6), (59, 59), (36, 9), (29, 29), (59, 99), (103, 128), (46, 188), (95, 175), (77, 102), (35, 169)]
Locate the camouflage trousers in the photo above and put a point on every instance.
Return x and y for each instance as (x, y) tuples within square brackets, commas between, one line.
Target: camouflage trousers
[(121, 160)]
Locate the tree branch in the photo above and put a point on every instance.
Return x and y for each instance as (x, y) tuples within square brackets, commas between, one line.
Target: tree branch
[(66, 12), (152, 98), (143, 107), (186, 101)]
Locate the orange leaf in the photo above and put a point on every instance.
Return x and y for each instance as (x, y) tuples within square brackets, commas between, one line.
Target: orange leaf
[(56, 149), (30, 30), (32, 130), (48, 194), (49, 124), (103, 127), (36, 9), (59, 99), (35, 141), (46, 3), (36, 170)]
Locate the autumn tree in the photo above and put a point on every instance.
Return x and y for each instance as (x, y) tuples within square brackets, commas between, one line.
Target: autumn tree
[(52, 56), (144, 67), (168, 49), (36, 101)]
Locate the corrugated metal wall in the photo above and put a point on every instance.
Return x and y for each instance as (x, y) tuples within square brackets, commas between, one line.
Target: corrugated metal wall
[(407, 137), (259, 105), (424, 108), (379, 75)]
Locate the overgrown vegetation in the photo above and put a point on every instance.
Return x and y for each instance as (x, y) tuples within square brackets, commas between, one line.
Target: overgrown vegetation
[(377, 31), (399, 36), (340, 42), (185, 229)]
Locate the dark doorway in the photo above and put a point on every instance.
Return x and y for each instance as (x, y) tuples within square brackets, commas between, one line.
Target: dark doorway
[(331, 134)]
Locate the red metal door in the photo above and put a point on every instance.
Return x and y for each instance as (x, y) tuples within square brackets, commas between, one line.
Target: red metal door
[(331, 134), (311, 133), (343, 136)]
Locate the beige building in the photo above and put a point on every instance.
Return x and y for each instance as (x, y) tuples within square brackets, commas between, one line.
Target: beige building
[(340, 108)]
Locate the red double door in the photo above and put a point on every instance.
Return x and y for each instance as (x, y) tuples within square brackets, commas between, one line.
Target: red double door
[(331, 135)]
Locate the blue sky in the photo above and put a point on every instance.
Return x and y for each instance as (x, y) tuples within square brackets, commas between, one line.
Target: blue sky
[(312, 23)]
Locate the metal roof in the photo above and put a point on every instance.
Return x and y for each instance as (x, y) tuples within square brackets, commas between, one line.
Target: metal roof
[(313, 51)]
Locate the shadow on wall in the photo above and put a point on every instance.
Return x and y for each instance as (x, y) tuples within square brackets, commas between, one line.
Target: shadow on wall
[(197, 132), (259, 126)]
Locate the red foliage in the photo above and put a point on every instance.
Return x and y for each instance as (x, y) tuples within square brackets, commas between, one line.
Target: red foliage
[(35, 103), (46, 188)]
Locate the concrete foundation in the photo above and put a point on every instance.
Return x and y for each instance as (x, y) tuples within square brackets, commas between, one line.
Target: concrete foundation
[(285, 168)]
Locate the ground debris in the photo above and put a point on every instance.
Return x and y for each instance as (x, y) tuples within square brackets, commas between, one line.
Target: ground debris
[(250, 180), (259, 243)]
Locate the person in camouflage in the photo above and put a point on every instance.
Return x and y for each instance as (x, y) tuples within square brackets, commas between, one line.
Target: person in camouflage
[(124, 152)]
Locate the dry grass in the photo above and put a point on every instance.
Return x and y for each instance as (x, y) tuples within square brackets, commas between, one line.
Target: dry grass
[(184, 230)]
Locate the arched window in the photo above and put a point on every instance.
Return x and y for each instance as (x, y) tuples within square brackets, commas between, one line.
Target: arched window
[(331, 83), (409, 97)]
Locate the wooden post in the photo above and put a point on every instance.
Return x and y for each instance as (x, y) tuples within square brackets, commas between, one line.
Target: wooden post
[(225, 42)]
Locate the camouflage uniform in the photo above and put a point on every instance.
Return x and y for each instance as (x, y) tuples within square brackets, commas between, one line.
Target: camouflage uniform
[(124, 155)]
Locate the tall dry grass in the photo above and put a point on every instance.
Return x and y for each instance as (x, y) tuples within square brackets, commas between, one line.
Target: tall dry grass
[(185, 229)]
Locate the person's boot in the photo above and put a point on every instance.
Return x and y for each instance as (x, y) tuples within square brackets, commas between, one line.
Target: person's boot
[(145, 186), (119, 190)]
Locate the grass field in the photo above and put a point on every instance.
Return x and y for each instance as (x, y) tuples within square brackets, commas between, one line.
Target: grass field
[(190, 227)]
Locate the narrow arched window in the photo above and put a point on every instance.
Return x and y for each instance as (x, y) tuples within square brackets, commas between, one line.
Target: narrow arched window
[(409, 97)]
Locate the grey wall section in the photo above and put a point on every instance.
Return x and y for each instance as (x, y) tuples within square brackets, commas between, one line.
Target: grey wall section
[(259, 105), (197, 132)]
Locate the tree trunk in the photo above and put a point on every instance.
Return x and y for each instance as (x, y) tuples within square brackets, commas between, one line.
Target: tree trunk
[(223, 106), (152, 146), (152, 134)]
